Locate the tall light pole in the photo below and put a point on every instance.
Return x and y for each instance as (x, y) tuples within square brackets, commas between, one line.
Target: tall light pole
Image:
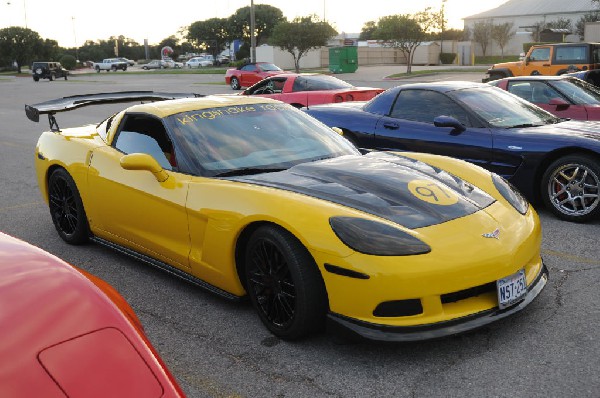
[(75, 38), (252, 33), (442, 28), (24, 11)]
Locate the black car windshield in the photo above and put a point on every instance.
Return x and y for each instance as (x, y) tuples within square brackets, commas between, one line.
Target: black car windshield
[(253, 138), (269, 67), (578, 91), (502, 109)]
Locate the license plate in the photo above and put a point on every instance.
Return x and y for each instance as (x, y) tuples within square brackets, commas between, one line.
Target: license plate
[(511, 289)]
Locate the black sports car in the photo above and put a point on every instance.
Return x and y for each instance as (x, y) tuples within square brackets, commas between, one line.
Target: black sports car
[(546, 157)]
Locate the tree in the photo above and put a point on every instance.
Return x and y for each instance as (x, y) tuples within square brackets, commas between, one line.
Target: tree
[(266, 17), (502, 34), (211, 35), (20, 45), (368, 30), (301, 35), (406, 32), (560, 23), (482, 33)]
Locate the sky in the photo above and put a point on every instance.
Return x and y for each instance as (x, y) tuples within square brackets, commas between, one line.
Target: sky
[(72, 22)]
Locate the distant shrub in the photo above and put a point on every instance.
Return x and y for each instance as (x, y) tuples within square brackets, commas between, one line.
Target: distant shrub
[(68, 62), (447, 58)]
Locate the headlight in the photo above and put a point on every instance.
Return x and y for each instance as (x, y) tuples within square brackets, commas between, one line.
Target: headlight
[(372, 237), (510, 193)]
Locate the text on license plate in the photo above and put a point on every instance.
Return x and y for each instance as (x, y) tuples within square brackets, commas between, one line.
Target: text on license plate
[(511, 289)]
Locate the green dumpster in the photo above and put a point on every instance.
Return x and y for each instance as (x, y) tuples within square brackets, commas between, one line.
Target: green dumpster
[(343, 59)]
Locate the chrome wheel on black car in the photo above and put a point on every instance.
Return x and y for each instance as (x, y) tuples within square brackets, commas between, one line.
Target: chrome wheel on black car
[(284, 284), (571, 188)]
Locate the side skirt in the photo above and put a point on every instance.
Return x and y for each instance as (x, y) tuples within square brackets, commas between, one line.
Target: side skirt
[(168, 268)]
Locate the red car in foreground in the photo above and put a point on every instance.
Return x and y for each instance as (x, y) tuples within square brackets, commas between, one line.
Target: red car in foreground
[(565, 96), (307, 89), (249, 74), (65, 333)]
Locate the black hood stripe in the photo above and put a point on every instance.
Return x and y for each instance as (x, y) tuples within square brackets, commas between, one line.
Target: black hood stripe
[(379, 183)]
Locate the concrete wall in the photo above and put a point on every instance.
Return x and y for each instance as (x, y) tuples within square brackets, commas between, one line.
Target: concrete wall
[(284, 59), (592, 32)]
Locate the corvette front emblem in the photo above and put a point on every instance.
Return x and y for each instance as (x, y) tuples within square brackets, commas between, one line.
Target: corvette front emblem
[(494, 234)]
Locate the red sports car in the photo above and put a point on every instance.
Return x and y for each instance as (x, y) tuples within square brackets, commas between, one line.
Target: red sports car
[(307, 89), (65, 333), (565, 96), (248, 74)]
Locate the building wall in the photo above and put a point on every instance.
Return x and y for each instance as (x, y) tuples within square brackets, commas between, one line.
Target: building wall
[(284, 59), (523, 33)]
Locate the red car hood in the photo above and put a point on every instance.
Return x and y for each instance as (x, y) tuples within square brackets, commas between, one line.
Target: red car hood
[(60, 335)]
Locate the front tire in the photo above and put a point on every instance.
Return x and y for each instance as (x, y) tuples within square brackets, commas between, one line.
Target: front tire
[(284, 284), (235, 83), (66, 208), (570, 188)]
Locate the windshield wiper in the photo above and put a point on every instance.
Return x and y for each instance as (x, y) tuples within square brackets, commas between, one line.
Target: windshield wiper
[(248, 171), (517, 126)]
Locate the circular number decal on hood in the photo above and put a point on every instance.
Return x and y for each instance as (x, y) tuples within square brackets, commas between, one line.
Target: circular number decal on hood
[(432, 192)]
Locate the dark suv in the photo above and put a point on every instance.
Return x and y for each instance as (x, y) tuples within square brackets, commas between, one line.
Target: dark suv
[(48, 70)]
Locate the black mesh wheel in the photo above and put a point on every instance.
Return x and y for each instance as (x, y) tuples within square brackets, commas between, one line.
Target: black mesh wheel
[(284, 284), (66, 208)]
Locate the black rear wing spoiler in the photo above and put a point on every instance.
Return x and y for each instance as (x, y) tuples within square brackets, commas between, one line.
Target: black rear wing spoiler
[(64, 104)]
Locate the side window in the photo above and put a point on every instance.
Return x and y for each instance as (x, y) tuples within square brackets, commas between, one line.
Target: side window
[(424, 106), (300, 84), (521, 89), (249, 68), (571, 54), (540, 54), (542, 93), (143, 134)]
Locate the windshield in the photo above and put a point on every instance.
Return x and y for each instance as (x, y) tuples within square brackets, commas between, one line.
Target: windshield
[(254, 137), (578, 91), (502, 109), (269, 67)]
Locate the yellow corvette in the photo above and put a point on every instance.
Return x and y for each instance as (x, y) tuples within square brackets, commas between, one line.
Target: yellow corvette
[(250, 197)]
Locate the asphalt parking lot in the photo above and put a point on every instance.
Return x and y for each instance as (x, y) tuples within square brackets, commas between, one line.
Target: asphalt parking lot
[(218, 349)]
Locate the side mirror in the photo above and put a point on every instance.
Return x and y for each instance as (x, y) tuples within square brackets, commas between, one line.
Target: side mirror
[(449, 121), (560, 103), (143, 161)]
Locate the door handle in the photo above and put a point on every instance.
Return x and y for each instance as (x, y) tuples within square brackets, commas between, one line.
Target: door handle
[(391, 126)]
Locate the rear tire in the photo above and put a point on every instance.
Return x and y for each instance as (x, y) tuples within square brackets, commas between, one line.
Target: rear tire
[(570, 188), (284, 284), (235, 83), (66, 208)]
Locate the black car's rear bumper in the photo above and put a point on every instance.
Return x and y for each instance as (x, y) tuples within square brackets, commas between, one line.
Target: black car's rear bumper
[(441, 329)]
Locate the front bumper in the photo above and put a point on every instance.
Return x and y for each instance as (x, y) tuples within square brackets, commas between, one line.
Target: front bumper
[(441, 329)]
